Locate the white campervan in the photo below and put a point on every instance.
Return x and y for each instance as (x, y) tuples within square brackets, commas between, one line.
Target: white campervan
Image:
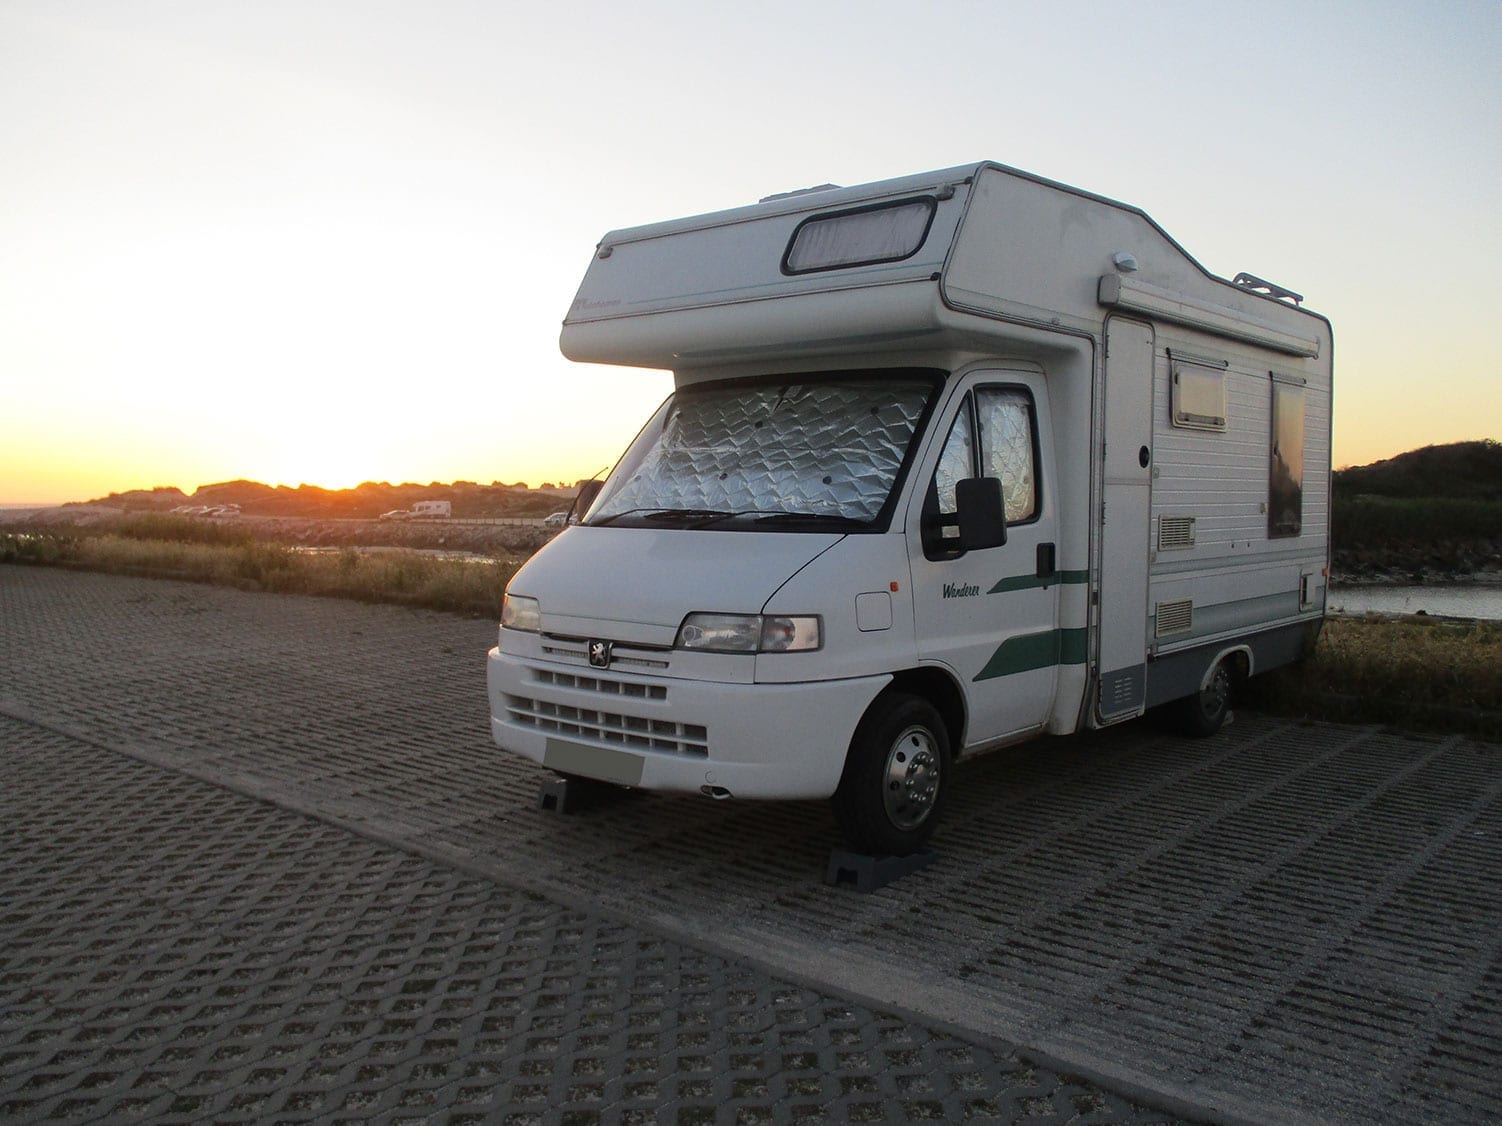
[(951, 461)]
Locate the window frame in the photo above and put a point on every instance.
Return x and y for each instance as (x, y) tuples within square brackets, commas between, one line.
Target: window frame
[(1186, 420), (931, 202), (931, 516), (1284, 389)]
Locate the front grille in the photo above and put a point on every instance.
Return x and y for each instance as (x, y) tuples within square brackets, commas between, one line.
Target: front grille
[(600, 684), (575, 650), (611, 728)]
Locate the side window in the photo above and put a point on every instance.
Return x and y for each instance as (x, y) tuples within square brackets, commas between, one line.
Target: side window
[(1003, 418), (1199, 397), (1285, 487), (955, 463), (1007, 445)]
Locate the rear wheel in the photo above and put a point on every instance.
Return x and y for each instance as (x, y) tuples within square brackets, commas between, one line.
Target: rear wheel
[(896, 772), (1204, 713)]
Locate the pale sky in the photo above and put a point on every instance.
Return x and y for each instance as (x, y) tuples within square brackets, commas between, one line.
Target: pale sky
[(331, 242)]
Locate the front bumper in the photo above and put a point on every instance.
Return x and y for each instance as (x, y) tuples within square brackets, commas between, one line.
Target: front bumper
[(783, 741)]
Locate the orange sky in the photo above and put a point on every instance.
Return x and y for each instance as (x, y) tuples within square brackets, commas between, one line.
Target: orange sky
[(333, 243)]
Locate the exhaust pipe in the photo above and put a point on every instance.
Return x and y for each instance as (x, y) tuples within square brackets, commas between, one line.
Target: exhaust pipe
[(719, 793)]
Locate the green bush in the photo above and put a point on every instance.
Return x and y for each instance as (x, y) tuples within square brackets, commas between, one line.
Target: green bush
[(1372, 523)]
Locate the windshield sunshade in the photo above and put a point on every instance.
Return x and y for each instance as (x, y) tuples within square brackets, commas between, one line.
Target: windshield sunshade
[(775, 452)]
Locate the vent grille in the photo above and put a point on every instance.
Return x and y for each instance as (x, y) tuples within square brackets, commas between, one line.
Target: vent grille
[(600, 684), (1174, 617), (1175, 532), (610, 728)]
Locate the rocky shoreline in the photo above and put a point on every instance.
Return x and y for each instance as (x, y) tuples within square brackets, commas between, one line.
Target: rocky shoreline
[(1474, 561)]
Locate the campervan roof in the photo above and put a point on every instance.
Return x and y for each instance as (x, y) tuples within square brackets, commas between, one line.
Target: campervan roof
[(903, 259)]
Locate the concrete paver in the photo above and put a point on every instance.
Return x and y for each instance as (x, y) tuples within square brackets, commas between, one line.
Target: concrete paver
[(1285, 922), (171, 951)]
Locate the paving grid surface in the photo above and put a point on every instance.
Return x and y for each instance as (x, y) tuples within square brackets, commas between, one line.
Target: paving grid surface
[(174, 951), (1285, 922)]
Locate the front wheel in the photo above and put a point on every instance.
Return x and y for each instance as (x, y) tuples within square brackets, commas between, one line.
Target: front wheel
[(896, 773)]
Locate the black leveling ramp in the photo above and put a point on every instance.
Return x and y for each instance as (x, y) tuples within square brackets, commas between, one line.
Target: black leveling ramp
[(574, 795), (867, 873)]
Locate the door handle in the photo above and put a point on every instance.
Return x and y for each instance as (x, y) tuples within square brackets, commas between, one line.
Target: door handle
[(1047, 561)]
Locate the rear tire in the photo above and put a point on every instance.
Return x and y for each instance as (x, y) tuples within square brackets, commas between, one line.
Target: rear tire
[(1203, 714), (896, 776)]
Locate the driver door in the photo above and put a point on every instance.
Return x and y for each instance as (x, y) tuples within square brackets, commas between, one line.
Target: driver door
[(990, 616)]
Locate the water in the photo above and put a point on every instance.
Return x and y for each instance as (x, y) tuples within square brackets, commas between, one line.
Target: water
[(426, 552), (1450, 600)]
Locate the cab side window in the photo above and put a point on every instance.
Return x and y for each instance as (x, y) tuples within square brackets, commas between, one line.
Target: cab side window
[(1007, 450), (955, 463), (1007, 445)]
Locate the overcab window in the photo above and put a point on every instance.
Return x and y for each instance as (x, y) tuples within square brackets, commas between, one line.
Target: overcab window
[(860, 237)]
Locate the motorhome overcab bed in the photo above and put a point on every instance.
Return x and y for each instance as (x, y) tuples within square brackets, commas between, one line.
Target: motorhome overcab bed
[(951, 461)]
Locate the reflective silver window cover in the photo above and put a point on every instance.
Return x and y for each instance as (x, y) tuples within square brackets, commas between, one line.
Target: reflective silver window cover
[(1007, 447), (879, 234), (955, 463), (808, 448)]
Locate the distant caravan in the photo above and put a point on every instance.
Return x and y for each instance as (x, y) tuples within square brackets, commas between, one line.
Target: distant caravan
[(951, 461)]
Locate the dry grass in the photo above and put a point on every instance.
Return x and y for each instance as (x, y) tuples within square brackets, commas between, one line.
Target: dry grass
[(1409, 673), (462, 586), (1413, 674)]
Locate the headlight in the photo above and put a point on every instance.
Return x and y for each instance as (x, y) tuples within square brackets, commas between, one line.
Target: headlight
[(749, 633), (790, 635), (518, 612)]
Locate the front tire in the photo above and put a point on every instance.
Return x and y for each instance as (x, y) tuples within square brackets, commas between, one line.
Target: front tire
[(896, 776)]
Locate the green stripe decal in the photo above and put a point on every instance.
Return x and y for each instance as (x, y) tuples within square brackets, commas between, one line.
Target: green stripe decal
[(1034, 582), (1030, 651)]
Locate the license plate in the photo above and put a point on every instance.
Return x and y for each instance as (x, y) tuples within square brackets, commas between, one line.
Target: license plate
[(600, 763)]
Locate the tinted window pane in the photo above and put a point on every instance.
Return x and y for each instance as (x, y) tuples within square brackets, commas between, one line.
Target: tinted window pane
[(1285, 507)]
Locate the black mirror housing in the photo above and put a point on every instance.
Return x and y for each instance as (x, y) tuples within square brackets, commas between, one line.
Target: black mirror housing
[(585, 497), (982, 513)]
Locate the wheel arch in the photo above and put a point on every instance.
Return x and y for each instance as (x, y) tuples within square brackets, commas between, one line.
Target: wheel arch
[(938, 687), (1238, 659)]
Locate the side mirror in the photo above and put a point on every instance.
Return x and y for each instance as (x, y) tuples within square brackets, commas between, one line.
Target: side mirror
[(982, 513), (585, 497)]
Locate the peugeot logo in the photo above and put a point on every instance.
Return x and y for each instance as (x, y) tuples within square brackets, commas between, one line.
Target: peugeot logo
[(599, 654)]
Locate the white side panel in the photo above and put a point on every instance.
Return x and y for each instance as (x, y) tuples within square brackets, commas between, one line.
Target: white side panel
[(1223, 575), (1126, 519)]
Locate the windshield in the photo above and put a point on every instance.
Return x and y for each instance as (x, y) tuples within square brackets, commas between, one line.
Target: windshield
[(815, 451)]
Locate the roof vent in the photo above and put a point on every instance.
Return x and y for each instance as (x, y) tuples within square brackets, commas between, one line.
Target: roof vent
[(1266, 288)]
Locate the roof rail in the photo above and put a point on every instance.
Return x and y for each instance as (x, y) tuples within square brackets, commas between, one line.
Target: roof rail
[(798, 191), (1267, 288)]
